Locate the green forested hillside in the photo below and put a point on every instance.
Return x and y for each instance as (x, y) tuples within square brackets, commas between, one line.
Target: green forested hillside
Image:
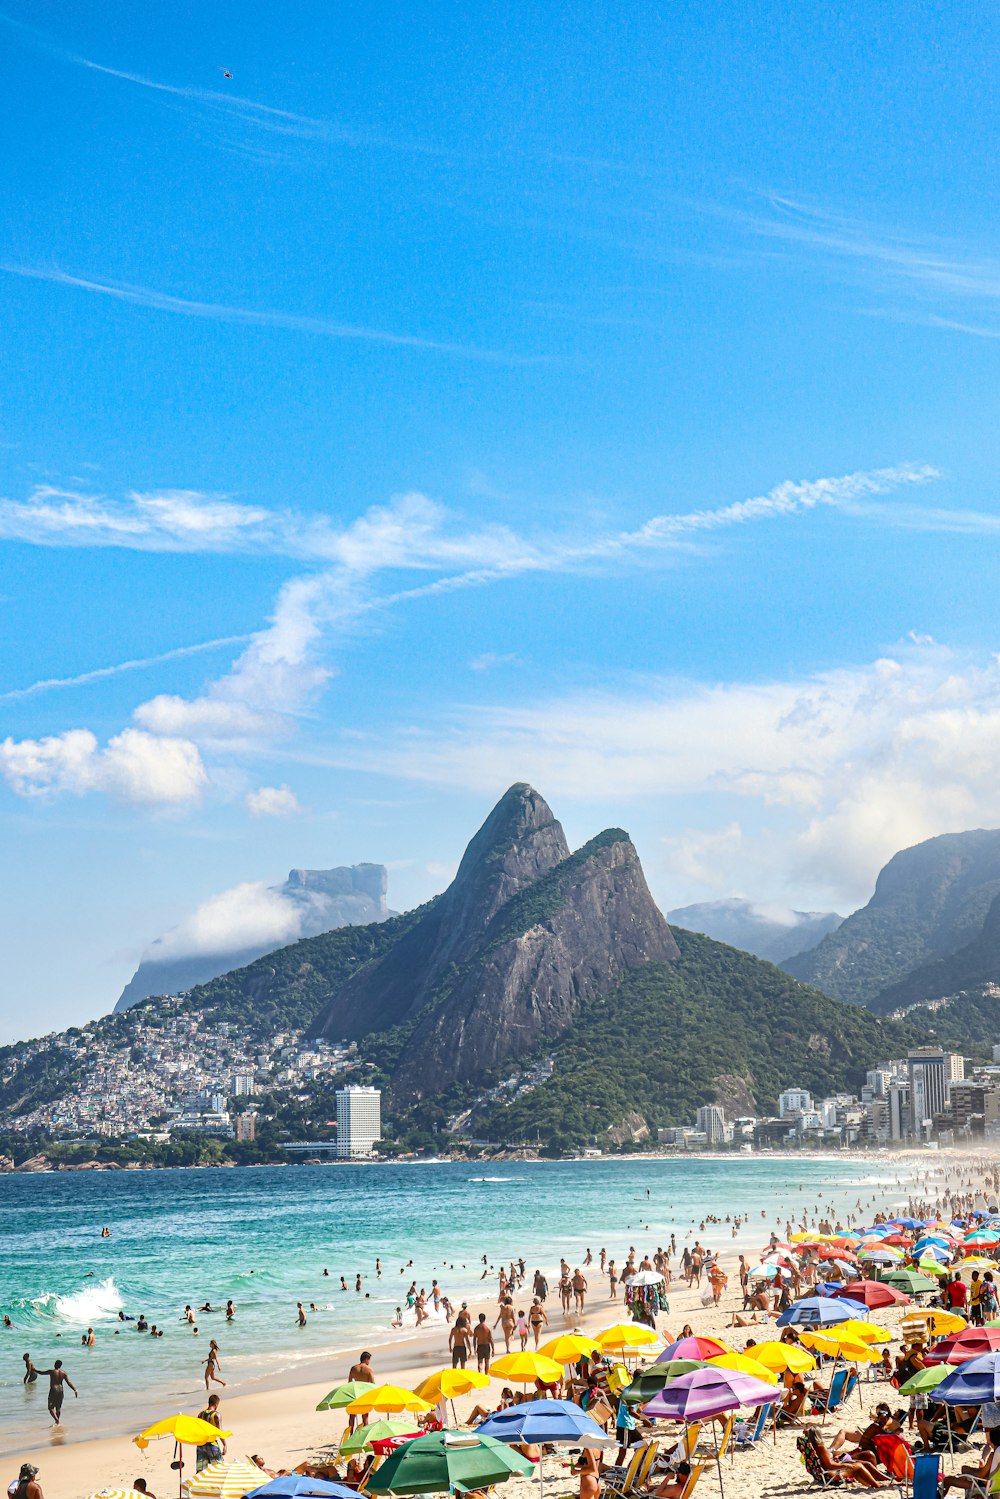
[(659, 1044)]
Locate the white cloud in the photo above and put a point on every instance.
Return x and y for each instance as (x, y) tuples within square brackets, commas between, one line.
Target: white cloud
[(836, 772), (247, 916), (208, 720), (133, 766), (272, 801), (490, 659), (172, 520)]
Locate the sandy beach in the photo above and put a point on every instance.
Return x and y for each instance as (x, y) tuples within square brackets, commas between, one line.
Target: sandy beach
[(283, 1425)]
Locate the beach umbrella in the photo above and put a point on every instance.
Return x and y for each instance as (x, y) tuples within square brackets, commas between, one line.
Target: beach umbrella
[(645, 1278), (299, 1486), (386, 1397), (910, 1281), (976, 1382), (872, 1293), (626, 1335), (862, 1332), (974, 1262), (542, 1421), (925, 1379), (569, 1348), (377, 1431), (694, 1347), (187, 1431), (764, 1272), (342, 1395), (225, 1480), (817, 1311), (443, 1461), (446, 1384), (880, 1256), (647, 1382), (525, 1368), (851, 1350), (927, 1319), (744, 1363), (709, 1392), (118, 1494), (781, 1357), (961, 1347)]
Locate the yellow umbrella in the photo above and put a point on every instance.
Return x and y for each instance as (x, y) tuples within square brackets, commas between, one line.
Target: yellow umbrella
[(975, 1262), (570, 1348), (926, 1317), (745, 1363), (782, 1356), (222, 1480), (525, 1368), (625, 1335), (190, 1431), (850, 1349), (186, 1429), (116, 1494), (386, 1397), (862, 1332), (447, 1383)]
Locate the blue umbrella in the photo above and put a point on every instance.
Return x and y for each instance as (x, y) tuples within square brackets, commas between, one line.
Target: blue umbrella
[(544, 1421), (821, 1311), (976, 1382), (295, 1486)]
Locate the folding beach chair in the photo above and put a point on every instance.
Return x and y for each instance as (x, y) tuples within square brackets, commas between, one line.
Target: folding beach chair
[(693, 1477), (746, 1434), (830, 1403), (727, 1435), (925, 1476), (622, 1481)]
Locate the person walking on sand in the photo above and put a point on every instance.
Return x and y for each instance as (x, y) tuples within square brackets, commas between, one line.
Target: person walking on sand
[(212, 1365), (537, 1319), (483, 1338), (210, 1452), (58, 1379), (522, 1330), (460, 1341), (506, 1321), (579, 1284)]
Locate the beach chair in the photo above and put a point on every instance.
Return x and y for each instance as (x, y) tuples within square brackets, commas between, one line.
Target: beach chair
[(925, 1476), (693, 1477), (727, 1436), (829, 1403), (622, 1481), (747, 1434)]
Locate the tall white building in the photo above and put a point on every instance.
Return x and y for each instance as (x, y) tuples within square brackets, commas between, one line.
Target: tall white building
[(711, 1120), (359, 1122), (241, 1085), (930, 1072), (794, 1101)]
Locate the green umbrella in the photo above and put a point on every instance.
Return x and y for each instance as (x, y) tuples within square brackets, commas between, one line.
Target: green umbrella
[(343, 1395), (378, 1431), (926, 1379), (910, 1281), (651, 1380), (445, 1460)]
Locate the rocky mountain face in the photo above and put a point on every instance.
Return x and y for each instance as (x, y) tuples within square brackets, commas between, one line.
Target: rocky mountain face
[(929, 901), (525, 936), (317, 900), (972, 968), (754, 929)]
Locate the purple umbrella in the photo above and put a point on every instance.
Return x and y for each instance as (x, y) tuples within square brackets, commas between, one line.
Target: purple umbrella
[(709, 1392)]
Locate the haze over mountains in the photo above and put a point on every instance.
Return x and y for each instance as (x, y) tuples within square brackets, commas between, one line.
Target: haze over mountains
[(765, 931), (232, 929)]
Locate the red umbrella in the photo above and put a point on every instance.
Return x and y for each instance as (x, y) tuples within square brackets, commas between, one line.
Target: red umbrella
[(873, 1293), (972, 1342), (901, 1241), (829, 1252)]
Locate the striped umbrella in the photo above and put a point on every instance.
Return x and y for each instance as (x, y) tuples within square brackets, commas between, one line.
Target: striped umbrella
[(116, 1494), (226, 1480)]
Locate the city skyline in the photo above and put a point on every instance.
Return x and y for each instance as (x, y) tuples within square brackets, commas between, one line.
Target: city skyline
[(440, 402)]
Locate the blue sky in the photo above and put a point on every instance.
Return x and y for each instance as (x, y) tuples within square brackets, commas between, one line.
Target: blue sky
[(601, 399)]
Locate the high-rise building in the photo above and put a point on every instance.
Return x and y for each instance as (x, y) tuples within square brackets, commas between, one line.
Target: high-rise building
[(930, 1071), (711, 1120), (795, 1101), (359, 1122), (242, 1085), (899, 1111), (245, 1126)]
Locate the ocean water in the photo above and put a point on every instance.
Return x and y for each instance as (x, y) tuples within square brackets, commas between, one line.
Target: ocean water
[(263, 1237)]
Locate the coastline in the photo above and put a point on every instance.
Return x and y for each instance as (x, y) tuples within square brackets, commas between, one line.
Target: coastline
[(274, 1413)]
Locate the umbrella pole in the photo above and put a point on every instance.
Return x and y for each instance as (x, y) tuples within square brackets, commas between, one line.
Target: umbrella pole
[(826, 1408), (718, 1464), (180, 1469), (947, 1416)]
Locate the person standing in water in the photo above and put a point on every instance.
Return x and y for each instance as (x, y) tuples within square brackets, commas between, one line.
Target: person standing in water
[(212, 1365), (30, 1372), (58, 1379)]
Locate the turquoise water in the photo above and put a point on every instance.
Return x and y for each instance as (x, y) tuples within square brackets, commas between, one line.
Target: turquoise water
[(264, 1236)]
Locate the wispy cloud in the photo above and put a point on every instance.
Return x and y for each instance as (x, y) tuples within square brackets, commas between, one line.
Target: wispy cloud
[(102, 673), (221, 312)]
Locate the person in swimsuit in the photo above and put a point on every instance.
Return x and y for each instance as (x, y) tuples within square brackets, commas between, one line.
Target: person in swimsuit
[(30, 1372), (58, 1379), (537, 1319), (212, 1365), (482, 1336), (522, 1330), (506, 1321)]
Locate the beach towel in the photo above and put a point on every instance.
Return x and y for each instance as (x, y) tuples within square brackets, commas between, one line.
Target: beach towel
[(894, 1455)]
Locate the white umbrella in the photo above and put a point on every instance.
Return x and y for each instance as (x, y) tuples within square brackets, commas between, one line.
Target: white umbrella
[(645, 1278)]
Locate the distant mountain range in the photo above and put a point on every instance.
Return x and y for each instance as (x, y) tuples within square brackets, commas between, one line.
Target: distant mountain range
[(924, 933), (757, 929), (534, 952), (310, 901)]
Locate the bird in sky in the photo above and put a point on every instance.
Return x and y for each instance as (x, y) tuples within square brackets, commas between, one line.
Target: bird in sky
[(225, 73)]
